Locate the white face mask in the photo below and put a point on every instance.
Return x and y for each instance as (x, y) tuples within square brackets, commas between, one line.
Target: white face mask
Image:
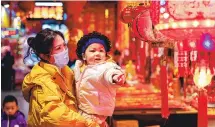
[(62, 58)]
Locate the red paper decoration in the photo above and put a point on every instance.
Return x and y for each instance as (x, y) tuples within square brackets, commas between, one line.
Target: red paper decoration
[(181, 60), (193, 56)]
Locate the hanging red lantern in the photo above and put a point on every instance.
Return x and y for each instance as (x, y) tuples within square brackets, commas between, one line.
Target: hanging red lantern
[(74, 13), (138, 9), (142, 26), (26, 6), (202, 78), (126, 15)]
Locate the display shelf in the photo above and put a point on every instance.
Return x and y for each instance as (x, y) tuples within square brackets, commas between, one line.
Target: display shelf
[(143, 103)]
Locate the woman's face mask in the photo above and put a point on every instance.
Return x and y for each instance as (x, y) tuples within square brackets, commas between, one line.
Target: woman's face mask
[(61, 59), (59, 52)]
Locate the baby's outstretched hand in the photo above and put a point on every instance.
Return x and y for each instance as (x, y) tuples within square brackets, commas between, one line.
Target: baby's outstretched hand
[(119, 79)]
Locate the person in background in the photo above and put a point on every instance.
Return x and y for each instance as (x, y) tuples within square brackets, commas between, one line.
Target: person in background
[(49, 86), (8, 73), (97, 76), (116, 57), (11, 116)]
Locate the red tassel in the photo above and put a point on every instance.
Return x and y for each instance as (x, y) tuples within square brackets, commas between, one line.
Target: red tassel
[(164, 92), (202, 109)]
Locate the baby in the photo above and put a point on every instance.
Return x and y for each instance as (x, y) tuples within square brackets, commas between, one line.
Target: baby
[(97, 77)]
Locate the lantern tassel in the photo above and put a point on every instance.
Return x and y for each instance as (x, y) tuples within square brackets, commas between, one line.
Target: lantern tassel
[(164, 93), (202, 109)]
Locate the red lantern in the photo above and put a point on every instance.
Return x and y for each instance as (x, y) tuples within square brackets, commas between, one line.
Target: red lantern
[(26, 6), (138, 9), (142, 26), (74, 13), (126, 14)]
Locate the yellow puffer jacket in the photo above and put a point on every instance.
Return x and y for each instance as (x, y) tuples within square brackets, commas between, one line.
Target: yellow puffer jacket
[(50, 94)]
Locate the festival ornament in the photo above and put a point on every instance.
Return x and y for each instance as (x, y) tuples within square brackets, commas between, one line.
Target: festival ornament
[(181, 61), (126, 15), (212, 62), (193, 56), (164, 89), (143, 29), (206, 43), (199, 9), (26, 6), (74, 13), (202, 78), (138, 17), (139, 9), (142, 26)]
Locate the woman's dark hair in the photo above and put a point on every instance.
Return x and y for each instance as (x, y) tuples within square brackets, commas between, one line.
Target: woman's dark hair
[(9, 98), (42, 43), (83, 41)]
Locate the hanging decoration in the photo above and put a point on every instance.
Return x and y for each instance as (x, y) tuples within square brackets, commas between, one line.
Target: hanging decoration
[(186, 19), (206, 43), (143, 28), (164, 90), (136, 10), (181, 57), (126, 15), (202, 78), (139, 18), (212, 62), (192, 25), (192, 9), (26, 6)]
